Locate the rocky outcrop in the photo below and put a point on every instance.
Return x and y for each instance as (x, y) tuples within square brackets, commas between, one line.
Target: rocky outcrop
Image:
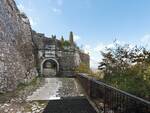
[(17, 61)]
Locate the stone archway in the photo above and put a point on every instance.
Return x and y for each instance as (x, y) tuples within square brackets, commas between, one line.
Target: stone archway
[(49, 67)]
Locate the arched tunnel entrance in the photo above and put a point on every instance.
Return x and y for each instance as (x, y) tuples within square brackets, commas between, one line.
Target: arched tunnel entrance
[(49, 67)]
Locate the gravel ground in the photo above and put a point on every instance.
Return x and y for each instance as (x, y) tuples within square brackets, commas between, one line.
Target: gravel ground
[(70, 88)]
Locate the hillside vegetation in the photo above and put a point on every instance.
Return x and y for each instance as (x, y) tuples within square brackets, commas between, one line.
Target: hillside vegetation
[(127, 68)]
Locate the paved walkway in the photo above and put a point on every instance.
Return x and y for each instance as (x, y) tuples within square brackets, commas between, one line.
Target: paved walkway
[(55, 88), (69, 105)]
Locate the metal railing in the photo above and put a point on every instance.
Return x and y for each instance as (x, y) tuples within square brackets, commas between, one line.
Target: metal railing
[(112, 99)]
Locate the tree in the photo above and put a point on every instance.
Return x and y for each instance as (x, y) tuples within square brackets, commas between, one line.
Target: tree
[(62, 39), (127, 68), (54, 37), (66, 43)]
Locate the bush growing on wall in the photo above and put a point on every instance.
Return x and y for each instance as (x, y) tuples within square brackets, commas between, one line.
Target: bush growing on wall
[(83, 68)]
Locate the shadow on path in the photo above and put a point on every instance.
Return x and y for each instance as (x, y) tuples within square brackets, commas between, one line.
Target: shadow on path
[(69, 105)]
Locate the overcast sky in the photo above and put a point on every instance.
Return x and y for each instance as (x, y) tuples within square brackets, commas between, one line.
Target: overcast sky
[(95, 23)]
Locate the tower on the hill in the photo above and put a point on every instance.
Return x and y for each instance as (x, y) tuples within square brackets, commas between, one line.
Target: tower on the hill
[(71, 40)]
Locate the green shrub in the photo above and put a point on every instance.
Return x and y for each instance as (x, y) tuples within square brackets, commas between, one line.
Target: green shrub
[(83, 68), (127, 69)]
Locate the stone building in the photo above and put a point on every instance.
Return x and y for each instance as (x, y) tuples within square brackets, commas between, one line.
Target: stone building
[(56, 57)]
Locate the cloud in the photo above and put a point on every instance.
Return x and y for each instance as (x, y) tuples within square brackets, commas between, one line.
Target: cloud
[(99, 47), (94, 52), (76, 37), (145, 39), (21, 7), (33, 21), (94, 56), (59, 2), (57, 6), (24, 8), (87, 48), (57, 10)]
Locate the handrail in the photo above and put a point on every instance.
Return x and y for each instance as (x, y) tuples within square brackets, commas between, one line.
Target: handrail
[(123, 92), (92, 84)]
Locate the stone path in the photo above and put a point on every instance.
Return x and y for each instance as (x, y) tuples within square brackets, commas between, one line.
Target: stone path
[(46, 91), (55, 88), (70, 105), (35, 97)]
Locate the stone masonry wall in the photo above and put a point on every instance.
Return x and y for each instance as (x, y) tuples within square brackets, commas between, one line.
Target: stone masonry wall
[(17, 60), (67, 61), (85, 58)]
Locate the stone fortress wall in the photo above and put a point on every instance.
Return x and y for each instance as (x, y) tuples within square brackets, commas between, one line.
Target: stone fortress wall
[(68, 57), (23, 52), (17, 62)]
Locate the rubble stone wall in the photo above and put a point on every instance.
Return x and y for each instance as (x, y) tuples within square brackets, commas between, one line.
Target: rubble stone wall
[(17, 62)]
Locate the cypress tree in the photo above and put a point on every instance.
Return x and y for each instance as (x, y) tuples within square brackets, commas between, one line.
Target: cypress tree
[(62, 39)]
